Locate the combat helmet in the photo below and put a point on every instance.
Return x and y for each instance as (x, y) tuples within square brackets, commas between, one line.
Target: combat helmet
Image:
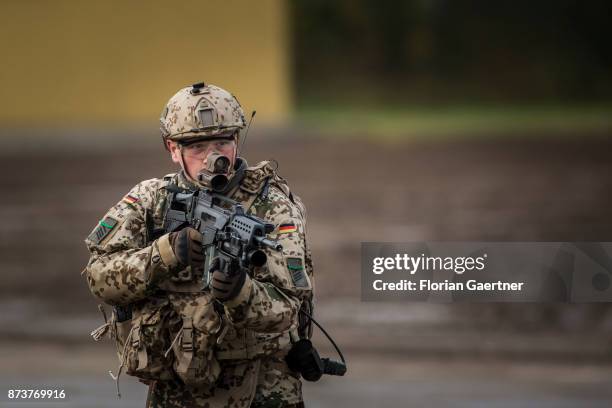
[(200, 112)]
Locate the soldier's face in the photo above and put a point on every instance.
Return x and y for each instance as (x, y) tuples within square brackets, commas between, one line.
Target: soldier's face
[(194, 155)]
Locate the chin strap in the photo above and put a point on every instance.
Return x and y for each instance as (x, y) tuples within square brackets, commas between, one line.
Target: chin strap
[(182, 162), (185, 172)]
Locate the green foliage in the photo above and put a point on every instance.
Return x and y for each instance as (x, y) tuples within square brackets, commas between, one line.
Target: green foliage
[(393, 123)]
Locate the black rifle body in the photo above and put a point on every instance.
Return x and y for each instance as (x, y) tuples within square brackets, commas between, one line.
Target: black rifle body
[(229, 234)]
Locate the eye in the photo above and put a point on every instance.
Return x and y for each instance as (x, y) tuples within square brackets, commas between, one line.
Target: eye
[(197, 146)]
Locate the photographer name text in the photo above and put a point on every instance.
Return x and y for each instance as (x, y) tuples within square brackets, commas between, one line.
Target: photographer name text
[(458, 265)]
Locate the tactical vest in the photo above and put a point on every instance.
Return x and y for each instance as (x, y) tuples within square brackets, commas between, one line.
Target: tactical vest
[(232, 342)]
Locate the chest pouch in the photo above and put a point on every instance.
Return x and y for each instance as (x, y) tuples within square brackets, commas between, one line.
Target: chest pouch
[(142, 340), (195, 340)]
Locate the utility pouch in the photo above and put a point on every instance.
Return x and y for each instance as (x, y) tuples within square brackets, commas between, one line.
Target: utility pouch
[(194, 343), (142, 342)]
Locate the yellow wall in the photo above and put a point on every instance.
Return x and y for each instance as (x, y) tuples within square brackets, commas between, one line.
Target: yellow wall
[(109, 62)]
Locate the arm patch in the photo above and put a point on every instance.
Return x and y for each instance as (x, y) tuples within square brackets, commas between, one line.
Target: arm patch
[(102, 230), (296, 270)]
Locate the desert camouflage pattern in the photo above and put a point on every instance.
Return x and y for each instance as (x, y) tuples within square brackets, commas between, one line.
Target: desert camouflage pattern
[(190, 352), (195, 113)]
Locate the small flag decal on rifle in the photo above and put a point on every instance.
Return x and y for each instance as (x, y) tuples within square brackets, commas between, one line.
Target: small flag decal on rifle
[(130, 199), (286, 228)]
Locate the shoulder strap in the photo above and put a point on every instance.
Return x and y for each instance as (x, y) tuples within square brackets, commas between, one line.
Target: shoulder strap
[(256, 176), (168, 177), (155, 230), (255, 183)]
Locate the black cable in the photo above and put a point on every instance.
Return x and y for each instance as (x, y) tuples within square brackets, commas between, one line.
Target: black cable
[(326, 335)]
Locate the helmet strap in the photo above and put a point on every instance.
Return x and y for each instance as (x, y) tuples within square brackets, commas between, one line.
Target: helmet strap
[(236, 142), (182, 162)]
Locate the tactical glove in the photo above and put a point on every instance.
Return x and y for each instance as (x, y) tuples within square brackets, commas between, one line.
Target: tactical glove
[(187, 247), (227, 279)]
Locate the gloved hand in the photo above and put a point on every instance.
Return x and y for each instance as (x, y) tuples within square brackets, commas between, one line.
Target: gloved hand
[(226, 286), (187, 247)]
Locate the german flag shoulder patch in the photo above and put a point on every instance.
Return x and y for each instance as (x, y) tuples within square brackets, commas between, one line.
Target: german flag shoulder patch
[(286, 228), (130, 199)]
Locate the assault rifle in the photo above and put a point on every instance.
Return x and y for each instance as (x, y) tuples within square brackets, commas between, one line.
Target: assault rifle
[(228, 232)]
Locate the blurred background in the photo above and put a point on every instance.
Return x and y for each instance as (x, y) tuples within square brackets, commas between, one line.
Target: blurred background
[(394, 121)]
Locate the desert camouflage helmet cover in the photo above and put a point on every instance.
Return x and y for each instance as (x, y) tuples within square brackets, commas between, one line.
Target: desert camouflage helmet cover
[(200, 111)]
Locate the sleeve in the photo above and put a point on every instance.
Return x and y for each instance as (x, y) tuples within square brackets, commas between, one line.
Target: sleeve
[(270, 300), (124, 266)]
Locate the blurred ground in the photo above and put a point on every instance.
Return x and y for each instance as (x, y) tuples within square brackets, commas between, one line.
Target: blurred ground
[(520, 188), (374, 381)]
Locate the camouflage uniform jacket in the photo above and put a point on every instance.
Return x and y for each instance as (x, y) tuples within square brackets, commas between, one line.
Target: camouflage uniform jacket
[(129, 266)]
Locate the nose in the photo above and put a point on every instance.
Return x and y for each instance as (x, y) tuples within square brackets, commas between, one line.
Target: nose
[(207, 154)]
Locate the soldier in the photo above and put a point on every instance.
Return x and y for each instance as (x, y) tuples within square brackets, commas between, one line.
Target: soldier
[(225, 345)]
